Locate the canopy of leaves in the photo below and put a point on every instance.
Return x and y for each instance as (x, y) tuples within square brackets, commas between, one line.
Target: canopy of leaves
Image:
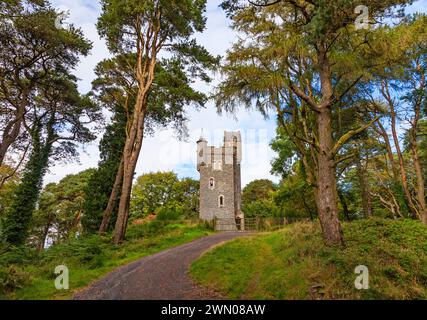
[(60, 209), (35, 54), (257, 189), (122, 20), (153, 191)]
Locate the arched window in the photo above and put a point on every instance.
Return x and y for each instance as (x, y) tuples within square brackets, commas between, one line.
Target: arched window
[(221, 201), (211, 183)]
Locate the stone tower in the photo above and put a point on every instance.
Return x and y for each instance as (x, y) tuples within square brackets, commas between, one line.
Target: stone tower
[(220, 186)]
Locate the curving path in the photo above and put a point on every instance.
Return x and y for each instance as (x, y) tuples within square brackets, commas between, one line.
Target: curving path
[(162, 276)]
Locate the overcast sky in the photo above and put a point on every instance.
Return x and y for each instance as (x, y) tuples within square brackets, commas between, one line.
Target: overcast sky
[(163, 151)]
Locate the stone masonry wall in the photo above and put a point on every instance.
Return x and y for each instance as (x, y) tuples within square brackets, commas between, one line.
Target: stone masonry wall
[(227, 183)]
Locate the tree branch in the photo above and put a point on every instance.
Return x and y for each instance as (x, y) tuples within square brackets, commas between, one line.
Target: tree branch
[(349, 135), (266, 3), (301, 94)]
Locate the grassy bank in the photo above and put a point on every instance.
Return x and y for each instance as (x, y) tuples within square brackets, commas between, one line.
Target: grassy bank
[(26, 274), (294, 264)]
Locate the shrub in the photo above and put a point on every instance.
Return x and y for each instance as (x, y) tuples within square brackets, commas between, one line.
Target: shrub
[(11, 278), (83, 250), (261, 208), (169, 213), (146, 229), (16, 255)]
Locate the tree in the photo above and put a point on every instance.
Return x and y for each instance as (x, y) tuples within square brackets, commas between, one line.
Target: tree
[(152, 191), (60, 209), (8, 188), (13, 8), (257, 190), (31, 47), (58, 123), (104, 179), (142, 30), (295, 196), (307, 55), (416, 73), (257, 199), (402, 88), (187, 196)]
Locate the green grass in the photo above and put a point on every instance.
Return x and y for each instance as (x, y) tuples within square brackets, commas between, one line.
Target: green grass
[(293, 263), (87, 259)]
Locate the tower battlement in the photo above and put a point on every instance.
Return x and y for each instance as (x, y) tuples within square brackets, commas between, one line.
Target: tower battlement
[(228, 153)]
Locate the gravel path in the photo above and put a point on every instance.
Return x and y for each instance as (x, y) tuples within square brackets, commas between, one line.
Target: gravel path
[(162, 276)]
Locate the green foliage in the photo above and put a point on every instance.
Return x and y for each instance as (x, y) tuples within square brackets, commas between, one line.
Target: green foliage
[(295, 196), (18, 217), (141, 32), (12, 259), (12, 278), (170, 94), (295, 264), (187, 197), (262, 208), (101, 182), (60, 209), (285, 55), (36, 61), (34, 51), (88, 251), (170, 213), (257, 199), (164, 191), (179, 19), (16, 255), (9, 182), (285, 153), (152, 191), (257, 190)]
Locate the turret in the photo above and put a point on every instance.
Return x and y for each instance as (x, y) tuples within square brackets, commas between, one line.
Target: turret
[(202, 145)]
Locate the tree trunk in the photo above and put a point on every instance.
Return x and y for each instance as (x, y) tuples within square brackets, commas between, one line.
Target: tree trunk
[(420, 184), (327, 194), (344, 205), (366, 196), (364, 190), (112, 200), (11, 133), (420, 189), (403, 176), (307, 208), (402, 168), (381, 130), (135, 135), (130, 158), (44, 235)]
